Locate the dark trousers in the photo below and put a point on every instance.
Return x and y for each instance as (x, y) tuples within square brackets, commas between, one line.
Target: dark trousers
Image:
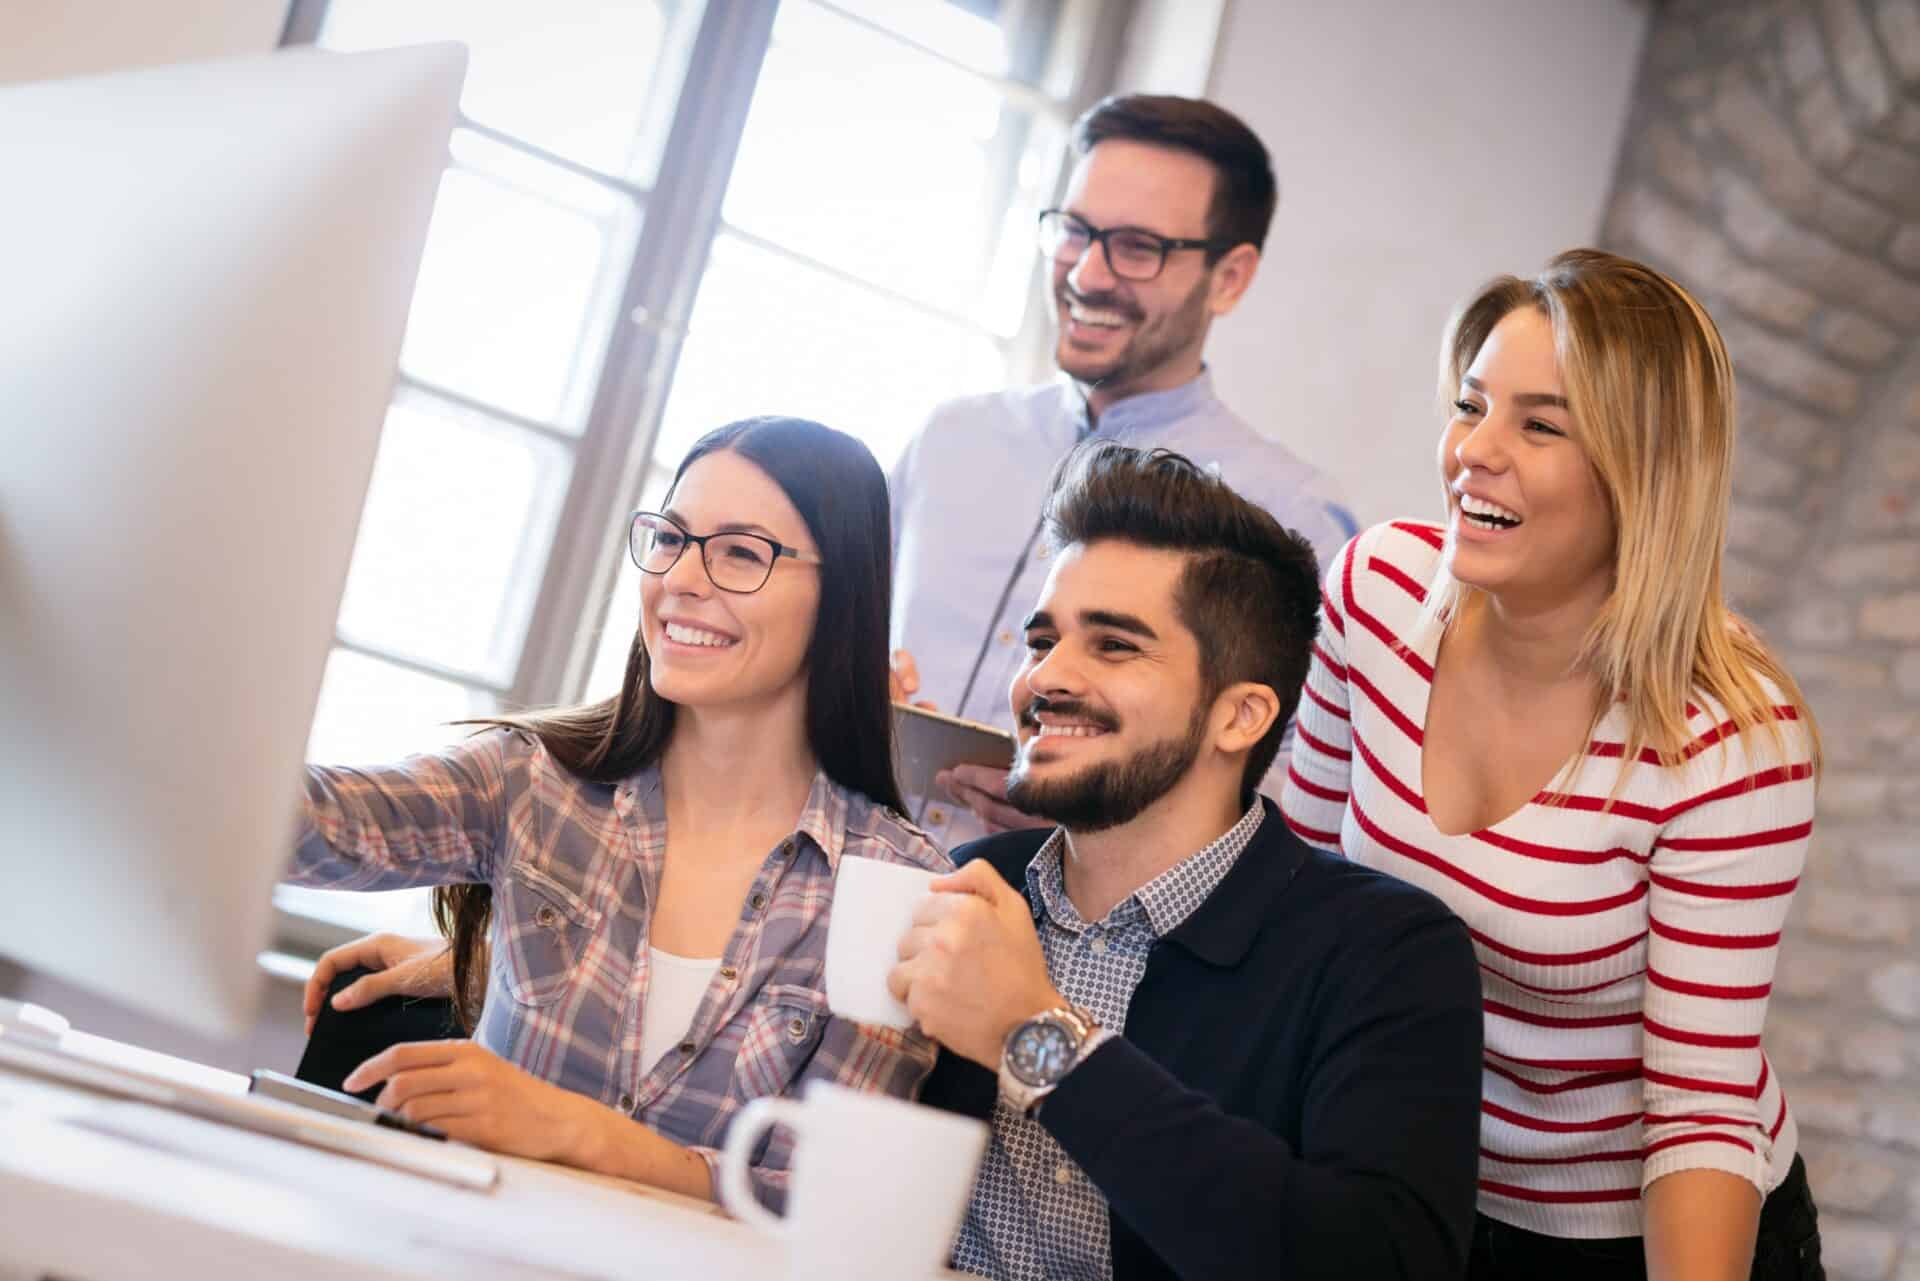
[(1787, 1248)]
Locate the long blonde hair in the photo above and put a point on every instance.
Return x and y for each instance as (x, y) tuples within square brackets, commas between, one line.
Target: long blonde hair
[(1651, 390)]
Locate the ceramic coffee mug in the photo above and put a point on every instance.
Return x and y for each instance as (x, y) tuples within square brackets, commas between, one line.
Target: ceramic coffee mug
[(873, 905), (878, 1185)]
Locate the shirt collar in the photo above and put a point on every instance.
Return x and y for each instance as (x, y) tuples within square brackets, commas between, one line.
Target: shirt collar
[(823, 819), (1047, 879), (1166, 901), (1172, 896), (1147, 412)]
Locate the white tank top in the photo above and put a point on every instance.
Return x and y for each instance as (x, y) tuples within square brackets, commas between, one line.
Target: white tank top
[(675, 985)]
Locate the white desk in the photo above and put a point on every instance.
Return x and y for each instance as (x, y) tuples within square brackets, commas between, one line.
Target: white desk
[(101, 1189)]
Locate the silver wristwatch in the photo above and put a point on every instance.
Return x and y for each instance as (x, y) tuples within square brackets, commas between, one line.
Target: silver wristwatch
[(1038, 1054)]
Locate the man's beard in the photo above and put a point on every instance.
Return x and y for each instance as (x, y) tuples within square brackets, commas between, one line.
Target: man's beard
[(1154, 344), (1110, 793)]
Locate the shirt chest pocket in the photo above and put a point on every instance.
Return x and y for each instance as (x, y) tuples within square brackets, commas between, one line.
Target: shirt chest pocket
[(782, 1030), (546, 928)]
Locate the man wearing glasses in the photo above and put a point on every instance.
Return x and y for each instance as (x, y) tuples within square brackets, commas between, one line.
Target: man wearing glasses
[(1159, 232)]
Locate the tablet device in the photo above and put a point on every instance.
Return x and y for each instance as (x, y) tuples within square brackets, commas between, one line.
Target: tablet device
[(927, 742)]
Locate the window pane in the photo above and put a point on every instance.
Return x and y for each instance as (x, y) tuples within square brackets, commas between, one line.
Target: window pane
[(972, 38), (623, 611), (616, 635), (519, 284), (963, 178), (396, 911), (453, 539), (372, 713), (592, 80), (821, 348)]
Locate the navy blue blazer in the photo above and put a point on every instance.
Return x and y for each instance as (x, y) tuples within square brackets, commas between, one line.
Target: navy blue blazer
[(1297, 1094)]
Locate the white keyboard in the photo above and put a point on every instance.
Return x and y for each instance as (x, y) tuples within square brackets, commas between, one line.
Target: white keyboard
[(42, 1056)]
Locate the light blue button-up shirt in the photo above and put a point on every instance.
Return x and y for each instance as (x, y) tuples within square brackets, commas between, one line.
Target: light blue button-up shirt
[(968, 565)]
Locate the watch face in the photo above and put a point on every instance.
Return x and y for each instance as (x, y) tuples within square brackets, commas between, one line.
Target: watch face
[(1041, 1053)]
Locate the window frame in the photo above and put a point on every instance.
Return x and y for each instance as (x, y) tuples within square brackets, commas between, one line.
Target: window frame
[(1067, 52)]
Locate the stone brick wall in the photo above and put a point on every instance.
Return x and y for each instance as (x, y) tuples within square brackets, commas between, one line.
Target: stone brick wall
[(1772, 165)]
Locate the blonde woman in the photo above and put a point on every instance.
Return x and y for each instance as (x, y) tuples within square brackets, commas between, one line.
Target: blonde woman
[(1544, 712)]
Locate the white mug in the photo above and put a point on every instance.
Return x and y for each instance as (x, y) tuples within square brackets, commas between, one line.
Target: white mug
[(878, 1185), (873, 905)]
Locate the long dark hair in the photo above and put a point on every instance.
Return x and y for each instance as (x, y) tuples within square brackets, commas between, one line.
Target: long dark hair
[(841, 493)]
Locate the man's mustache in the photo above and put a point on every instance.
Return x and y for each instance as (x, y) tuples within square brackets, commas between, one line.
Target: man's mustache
[(1101, 302), (1030, 714)]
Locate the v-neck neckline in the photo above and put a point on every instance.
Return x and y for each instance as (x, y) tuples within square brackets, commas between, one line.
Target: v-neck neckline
[(1429, 652)]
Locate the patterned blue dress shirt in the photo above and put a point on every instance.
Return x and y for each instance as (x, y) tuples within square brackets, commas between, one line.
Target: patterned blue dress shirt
[(1034, 1216)]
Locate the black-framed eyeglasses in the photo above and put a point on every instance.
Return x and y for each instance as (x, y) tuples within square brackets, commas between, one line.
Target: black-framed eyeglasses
[(1132, 254), (735, 561)]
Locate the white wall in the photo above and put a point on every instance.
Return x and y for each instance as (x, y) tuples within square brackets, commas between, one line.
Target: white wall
[(1421, 148), (49, 39), (1170, 46)]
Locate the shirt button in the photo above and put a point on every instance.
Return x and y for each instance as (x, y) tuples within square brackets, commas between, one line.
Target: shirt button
[(626, 1103), (1042, 550), (1098, 945), (546, 918), (796, 1030), (1063, 1174), (756, 900), (686, 1047), (728, 973), (936, 816)]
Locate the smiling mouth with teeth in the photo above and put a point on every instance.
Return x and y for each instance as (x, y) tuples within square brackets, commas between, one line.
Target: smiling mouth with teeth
[(1096, 312), (1068, 731), (1085, 724), (1482, 514), (1095, 318), (684, 635)]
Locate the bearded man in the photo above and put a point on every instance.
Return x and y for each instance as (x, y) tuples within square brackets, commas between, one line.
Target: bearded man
[(1205, 1048)]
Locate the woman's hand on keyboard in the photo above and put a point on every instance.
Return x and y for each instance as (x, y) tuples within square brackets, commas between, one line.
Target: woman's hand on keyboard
[(473, 1095)]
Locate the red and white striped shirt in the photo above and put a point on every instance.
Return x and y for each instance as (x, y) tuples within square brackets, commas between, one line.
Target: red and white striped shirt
[(1626, 954)]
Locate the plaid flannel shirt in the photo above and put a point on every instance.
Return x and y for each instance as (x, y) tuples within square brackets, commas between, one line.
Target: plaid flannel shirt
[(575, 867)]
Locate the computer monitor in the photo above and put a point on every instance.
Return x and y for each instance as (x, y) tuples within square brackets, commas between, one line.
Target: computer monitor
[(204, 276)]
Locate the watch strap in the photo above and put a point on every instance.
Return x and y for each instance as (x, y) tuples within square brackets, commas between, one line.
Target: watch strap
[(1088, 1035)]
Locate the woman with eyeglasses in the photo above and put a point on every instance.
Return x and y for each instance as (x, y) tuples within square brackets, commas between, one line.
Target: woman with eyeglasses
[(1543, 711), (636, 891)]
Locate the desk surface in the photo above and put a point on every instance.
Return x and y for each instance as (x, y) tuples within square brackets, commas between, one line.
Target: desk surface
[(107, 1188)]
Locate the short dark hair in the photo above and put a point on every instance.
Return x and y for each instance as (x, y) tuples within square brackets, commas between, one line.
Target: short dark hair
[(1250, 592), (1244, 193)]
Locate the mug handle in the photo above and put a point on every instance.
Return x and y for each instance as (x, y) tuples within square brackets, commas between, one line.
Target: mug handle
[(736, 1188)]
